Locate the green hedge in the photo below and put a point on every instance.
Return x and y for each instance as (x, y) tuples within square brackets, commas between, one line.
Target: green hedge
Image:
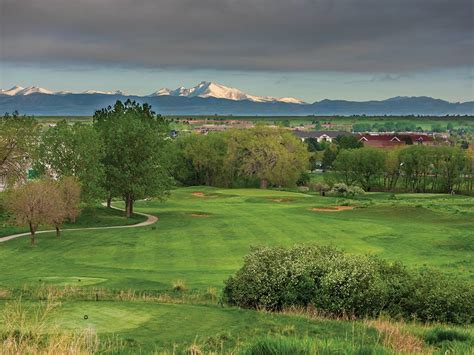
[(341, 284)]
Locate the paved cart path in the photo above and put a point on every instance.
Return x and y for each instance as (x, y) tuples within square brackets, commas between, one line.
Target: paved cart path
[(150, 220)]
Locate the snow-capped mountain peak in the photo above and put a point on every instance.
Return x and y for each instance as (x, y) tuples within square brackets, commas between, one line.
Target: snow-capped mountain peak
[(92, 92), (19, 90), (12, 91), (206, 89)]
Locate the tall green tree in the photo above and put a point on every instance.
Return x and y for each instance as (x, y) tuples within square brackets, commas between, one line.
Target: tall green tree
[(274, 156), (199, 159), (369, 165), (134, 141), (73, 150), (364, 166), (344, 167), (329, 155), (348, 142), (18, 139)]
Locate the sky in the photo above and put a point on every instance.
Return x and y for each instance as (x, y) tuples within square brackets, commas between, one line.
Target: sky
[(309, 49)]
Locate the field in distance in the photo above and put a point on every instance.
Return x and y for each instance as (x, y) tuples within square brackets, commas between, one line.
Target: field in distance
[(339, 122)]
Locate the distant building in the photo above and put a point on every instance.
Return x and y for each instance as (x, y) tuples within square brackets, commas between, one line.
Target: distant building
[(320, 136), (392, 140)]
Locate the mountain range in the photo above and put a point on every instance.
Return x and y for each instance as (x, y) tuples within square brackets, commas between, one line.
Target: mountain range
[(208, 98)]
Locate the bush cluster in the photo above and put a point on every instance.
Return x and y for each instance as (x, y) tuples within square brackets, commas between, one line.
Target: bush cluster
[(341, 284), (342, 189)]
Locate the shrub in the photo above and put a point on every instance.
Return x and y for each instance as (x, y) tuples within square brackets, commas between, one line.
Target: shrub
[(280, 346), (439, 335), (342, 189), (346, 285), (179, 285), (355, 191), (319, 187), (304, 179), (436, 297)]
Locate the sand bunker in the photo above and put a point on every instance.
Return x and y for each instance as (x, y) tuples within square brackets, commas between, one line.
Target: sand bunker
[(333, 209), (203, 195), (281, 199)]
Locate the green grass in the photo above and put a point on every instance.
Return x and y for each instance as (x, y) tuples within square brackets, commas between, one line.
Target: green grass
[(203, 251), (97, 216), (184, 324), (202, 239)]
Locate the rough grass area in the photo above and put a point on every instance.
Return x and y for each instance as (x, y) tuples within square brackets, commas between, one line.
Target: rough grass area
[(146, 327)]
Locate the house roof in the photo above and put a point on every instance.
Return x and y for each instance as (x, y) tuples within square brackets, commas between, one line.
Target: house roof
[(415, 137), (318, 134)]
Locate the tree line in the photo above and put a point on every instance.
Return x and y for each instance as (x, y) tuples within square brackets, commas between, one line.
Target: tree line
[(128, 154), (260, 156), (416, 168)]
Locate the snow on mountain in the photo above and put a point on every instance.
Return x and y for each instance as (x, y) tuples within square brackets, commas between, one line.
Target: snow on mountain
[(204, 89), (18, 90), (291, 100), (92, 92), (162, 92), (13, 91), (207, 89)]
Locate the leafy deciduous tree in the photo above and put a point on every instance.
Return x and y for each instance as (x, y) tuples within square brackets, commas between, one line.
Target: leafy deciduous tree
[(134, 141), (274, 156), (36, 203), (73, 150), (18, 138)]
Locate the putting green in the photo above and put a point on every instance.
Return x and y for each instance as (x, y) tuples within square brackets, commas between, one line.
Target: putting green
[(67, 281)]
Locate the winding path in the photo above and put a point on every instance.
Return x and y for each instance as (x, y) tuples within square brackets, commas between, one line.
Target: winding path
[(150, 220)]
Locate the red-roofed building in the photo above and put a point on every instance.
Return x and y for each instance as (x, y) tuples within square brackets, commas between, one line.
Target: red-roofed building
[(392, 140)]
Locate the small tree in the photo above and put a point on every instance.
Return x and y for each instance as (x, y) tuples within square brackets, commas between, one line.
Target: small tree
[(71, 196), (68, 197), (34, 204)]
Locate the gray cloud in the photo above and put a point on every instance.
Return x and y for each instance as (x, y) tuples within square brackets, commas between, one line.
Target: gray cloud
[(386, 36)]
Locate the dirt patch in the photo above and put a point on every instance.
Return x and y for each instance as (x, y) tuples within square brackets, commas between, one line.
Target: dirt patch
[(199, 215), (333, 209), (201, 194), (281, 199)]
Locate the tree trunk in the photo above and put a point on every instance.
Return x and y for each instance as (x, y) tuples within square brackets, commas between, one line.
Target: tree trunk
[(32, 235), (263, 183), (58, 232), (128, 206), (109, 202)]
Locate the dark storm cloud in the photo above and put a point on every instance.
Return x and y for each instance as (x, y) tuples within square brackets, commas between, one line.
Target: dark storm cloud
[(295, 35)]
